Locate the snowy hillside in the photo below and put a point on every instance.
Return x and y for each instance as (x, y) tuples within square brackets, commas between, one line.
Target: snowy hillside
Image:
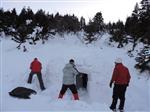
[(96, 59)]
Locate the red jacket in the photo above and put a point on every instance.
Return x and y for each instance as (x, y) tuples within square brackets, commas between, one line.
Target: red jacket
[(121, 74), (36, 66)]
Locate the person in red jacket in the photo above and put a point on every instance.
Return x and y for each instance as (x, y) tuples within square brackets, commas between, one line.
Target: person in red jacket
[(36, 67), (120, 78)]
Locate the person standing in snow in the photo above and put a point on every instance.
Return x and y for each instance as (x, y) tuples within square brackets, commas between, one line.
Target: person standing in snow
[(36, 67), (120, 78), (69, 73)]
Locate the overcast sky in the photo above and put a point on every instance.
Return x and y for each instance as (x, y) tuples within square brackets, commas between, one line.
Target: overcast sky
[(112, 10)]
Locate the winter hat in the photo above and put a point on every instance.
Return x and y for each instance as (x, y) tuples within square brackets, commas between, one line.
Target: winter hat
[(118, 60), (35, 59), (71, 61)]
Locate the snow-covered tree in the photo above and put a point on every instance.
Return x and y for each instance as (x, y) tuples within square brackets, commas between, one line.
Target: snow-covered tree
[(117, 31), (98, 22), (143, 59)]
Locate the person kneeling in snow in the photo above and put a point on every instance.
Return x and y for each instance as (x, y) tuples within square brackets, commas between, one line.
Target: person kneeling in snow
[(36, 67), (121, 79), (69, 73)]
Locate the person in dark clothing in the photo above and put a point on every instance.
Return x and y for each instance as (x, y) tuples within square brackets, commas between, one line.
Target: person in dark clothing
[(36, 67), (69, 73), (120, 78)]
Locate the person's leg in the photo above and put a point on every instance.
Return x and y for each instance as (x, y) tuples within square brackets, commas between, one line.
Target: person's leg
[(39, 75), (122, 97), (114, 103), (62, 91), (74, 91), (115, 97), (30, 77)]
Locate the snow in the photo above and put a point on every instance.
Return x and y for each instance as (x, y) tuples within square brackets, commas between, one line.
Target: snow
[(28, 22), (96, 59)]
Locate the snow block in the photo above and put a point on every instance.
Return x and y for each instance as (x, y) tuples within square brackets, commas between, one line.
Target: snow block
[(81, 80), (22, 92)]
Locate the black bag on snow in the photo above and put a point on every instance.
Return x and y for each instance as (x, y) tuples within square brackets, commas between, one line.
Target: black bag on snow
[(81, 80), (22, 92)]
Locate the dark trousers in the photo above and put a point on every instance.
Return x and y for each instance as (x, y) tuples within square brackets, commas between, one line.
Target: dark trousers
[(39, 75), (72, 87), (118, 93)]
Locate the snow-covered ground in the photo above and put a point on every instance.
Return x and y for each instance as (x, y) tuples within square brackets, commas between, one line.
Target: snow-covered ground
[(96, 59)]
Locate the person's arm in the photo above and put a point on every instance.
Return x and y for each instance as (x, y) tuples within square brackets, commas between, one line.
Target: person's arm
[(31, 66), (128, 77), (113, 77), (75, 70), (40, 65)]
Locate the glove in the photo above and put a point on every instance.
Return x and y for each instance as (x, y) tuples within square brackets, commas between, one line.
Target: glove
[(110, 84), (127, 84)]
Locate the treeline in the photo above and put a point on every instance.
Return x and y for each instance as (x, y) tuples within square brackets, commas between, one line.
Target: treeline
[(136, 29), (137, 26), (30, 26), (23, 25), (20, 26)]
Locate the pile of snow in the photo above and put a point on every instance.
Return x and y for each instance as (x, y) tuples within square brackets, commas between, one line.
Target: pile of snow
[(95, 59)]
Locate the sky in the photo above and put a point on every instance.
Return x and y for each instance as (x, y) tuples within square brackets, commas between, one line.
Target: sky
[(112, 10)]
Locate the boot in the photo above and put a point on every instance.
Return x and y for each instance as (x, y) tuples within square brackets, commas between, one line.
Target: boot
[(60, 96), (114, 103), (76, 97)]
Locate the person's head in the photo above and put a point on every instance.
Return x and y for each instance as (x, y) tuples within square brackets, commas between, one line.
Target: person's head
[(71, 61), (35, 59), (118, 60)]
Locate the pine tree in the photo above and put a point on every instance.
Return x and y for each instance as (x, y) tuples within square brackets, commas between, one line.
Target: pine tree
[(59, 27), (7, 22), (20, 35), (29, 14), (143, 60), (145, 20), (132, 25), (1, 19), (98, 22), (95, 26), (14, 18), (22, 17), (90, 32), (82, 23), (118, 33)]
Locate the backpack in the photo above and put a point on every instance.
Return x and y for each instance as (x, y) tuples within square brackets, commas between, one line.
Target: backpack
[(22, 92)]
